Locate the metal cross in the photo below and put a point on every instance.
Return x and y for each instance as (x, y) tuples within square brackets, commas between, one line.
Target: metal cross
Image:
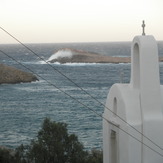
[(143, 26)]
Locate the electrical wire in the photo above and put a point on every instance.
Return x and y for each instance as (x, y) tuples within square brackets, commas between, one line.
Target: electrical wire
[(99, 115), (52, 84), (77, 87), (55, 69)]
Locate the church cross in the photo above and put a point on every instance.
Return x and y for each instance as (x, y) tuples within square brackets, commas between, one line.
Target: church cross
[(143, 26)]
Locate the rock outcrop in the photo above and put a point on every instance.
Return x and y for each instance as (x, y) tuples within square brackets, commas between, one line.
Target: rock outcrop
[(11, 75), (68, 55), (77, 56)]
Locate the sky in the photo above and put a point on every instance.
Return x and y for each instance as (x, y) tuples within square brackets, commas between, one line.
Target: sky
[(60, 21)]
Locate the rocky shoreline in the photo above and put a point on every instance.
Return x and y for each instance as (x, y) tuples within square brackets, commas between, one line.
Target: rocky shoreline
[(11, 75), (68, 55)]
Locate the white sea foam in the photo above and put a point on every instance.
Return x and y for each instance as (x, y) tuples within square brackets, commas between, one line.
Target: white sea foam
[(61, 54), (76, 64), (41, 62), (80, 64)]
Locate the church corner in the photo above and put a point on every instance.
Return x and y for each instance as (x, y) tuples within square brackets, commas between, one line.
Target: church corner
[(133, 115)]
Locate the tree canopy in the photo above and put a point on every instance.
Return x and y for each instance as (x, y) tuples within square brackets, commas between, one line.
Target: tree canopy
[(54, 144)]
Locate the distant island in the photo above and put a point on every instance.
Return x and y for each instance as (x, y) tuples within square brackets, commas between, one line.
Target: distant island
[(68, 55), (11, 75)]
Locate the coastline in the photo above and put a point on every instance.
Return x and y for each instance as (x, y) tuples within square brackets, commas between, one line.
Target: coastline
[(12, 75), (68, 55)]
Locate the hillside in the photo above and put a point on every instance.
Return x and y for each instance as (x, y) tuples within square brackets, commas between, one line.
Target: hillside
[(11, 75)]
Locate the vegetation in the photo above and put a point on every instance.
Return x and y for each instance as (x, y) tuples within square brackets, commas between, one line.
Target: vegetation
[(53, 144), (7, 156)]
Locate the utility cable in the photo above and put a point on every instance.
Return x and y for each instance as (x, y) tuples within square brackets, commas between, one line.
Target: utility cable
[(52, 84), (79, 87), (99, 115)]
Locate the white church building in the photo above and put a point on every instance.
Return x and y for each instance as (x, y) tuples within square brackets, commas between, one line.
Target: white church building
[(133, 115)]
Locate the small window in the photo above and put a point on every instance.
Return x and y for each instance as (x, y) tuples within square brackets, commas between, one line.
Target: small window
[(113, 147), (115, 106), (136, 67)]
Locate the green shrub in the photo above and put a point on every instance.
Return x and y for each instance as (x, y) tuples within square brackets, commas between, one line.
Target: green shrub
[(96, 156), (53, 144), (7, 155)]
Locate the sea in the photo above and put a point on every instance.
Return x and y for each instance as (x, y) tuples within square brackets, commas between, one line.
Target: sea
[(73, 93)]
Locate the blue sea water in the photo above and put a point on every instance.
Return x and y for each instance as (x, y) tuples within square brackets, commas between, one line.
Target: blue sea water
[(24, 106)]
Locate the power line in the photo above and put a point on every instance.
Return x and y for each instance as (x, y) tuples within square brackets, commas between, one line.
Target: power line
[(99, 115), (78, 87), (56, 87)]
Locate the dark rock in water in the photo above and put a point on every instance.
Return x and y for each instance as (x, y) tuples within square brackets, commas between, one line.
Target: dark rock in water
[(77, 56), (11, 75)]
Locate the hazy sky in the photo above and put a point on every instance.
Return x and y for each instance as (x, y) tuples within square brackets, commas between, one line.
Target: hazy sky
[(54, 21)]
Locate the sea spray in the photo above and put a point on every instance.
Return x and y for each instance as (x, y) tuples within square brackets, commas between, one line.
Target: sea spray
[(61, 54)]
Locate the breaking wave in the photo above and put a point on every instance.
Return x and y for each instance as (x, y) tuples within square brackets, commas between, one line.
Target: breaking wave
[(61, 54)]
